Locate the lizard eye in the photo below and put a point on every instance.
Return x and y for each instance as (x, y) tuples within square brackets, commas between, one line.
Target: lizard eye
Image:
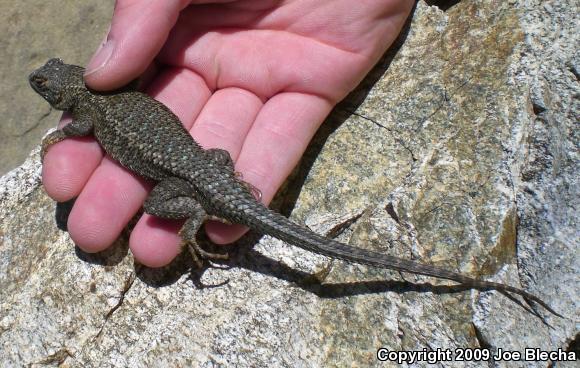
[(39, 81)]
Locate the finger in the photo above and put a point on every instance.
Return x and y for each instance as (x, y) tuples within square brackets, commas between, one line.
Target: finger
[(273, 147), (184, 92), (154, 241), (105, 206), (226, 119), (68, 165), (138, 31)]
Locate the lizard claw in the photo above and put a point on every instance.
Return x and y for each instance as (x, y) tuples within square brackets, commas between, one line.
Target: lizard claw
[(197, 254), (220, 219), (255, 191)]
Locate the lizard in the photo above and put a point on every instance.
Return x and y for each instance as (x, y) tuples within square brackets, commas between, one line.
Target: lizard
[(192, 183)]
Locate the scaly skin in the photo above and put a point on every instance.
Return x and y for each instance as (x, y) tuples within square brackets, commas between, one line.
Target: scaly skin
[(192, 183)]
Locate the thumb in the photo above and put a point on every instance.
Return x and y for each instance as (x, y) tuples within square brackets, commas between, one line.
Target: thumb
[(138, 31)]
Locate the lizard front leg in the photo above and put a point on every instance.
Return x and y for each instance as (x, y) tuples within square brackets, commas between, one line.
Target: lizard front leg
[(172, 198), (80, 127)]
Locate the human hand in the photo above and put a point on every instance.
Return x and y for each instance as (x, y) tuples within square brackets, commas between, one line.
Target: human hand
[(254, 77)]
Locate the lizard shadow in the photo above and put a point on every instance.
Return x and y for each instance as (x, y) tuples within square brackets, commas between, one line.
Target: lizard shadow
[(111, 256), (444, 5), (244, 256), (108, 257), (253, 260)]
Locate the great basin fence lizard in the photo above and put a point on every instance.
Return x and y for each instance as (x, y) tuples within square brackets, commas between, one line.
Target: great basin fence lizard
[(194, 184)]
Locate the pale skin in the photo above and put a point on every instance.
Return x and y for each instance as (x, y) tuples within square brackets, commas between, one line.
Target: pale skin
[(256, 78)]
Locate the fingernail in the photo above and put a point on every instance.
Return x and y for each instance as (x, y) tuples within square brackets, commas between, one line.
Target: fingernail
[(101, 58)]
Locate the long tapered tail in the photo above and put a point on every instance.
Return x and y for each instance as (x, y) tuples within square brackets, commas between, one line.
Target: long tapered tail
[(272, 223)]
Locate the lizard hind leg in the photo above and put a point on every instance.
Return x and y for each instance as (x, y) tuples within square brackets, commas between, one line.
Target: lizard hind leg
[(188, 233), (223, 158), (172, 199)]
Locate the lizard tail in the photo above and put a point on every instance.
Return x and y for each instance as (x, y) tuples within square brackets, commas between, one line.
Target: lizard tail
[(266, 221)]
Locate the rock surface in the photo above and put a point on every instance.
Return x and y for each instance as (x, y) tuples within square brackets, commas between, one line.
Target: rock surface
[(464, 154)]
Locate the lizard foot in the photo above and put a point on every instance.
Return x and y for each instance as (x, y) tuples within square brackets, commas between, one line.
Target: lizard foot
[(54, 137), (198, 254)]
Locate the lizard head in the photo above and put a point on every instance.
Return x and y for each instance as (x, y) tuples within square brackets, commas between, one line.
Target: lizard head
[(58, 83)]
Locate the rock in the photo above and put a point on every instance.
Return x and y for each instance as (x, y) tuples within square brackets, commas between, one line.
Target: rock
[(464, 154)]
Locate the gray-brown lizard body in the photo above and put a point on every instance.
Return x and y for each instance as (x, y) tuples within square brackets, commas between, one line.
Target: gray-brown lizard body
[(192, 183)]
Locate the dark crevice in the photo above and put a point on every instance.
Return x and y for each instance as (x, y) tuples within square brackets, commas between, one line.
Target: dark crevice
[(538, 109), (369, 119), (391, 211), (58, 358), (343, 225), (483, 343), (128, 283), (62, 212), (126, 287), (390, 130), (35, 125), (443, 4), (574, 345), (574, 71)]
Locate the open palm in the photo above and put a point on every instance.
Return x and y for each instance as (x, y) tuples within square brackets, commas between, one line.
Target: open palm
[(256, 78)]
